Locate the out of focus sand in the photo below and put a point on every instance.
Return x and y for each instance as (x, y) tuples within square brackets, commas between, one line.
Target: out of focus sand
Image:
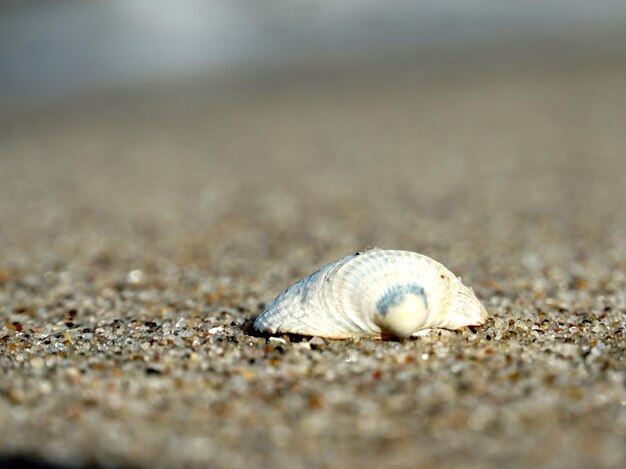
[(138, 234)]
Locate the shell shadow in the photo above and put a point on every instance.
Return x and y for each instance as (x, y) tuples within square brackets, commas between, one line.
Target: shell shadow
[(249, 329)]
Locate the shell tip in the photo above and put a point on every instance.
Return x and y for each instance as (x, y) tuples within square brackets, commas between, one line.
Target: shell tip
[(467, 310)]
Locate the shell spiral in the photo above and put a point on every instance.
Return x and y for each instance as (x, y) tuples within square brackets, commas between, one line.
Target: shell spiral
[(376, 293)]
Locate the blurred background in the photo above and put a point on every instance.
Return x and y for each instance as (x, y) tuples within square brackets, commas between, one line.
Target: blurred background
[(243, 128), (174, 114), (66, 49)]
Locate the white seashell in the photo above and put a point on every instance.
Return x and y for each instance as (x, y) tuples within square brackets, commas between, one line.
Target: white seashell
[(376, 293)]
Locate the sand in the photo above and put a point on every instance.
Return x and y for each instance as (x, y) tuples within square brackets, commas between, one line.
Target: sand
[(140, 234)]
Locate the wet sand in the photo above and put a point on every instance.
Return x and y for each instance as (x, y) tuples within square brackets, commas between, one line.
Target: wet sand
[(139, 235)]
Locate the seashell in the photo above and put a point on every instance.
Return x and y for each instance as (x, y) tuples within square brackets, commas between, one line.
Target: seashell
[(376, 293)]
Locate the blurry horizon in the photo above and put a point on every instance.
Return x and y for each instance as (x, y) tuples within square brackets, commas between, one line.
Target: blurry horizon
[(67, 49)]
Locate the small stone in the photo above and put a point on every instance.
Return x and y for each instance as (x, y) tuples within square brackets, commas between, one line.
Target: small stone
[(4, 276), (248, 374), (302, 345), (134, 276), (16, 395), (316, 341), (277, 340), (37, 362)]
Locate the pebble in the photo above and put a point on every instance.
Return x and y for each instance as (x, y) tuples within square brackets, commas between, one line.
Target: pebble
[(277, 340)]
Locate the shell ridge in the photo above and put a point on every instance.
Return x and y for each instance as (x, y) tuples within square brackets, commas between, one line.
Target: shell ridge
[(343, 315), (325, 311), (357, 305), (293, 308)]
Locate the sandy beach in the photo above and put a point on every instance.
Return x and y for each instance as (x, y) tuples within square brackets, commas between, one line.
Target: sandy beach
[(140, 234)]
